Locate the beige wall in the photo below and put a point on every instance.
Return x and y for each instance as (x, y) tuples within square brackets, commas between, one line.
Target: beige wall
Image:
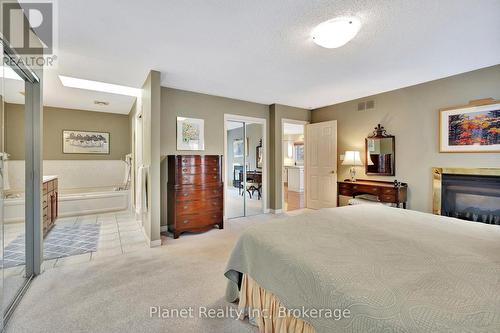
[(277, 113), (411, 114), (182, 103), (210, 108), (55, 120)]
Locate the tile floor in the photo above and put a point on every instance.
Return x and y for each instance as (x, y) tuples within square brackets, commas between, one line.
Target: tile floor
[(119, 233)]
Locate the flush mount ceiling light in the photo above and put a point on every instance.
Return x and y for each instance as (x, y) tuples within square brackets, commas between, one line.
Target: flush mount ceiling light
[(336, 32), (99, 86)]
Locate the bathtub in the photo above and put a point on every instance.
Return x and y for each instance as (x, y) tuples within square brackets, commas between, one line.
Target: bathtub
[(74, 202)]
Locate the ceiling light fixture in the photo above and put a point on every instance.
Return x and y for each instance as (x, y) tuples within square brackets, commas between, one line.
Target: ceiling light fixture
[(336, 32), (99, 86)]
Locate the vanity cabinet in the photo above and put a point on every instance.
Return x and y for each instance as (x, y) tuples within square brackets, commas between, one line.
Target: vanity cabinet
[(50, 204)]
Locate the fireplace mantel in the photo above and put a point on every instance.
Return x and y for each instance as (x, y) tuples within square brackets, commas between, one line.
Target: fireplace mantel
[(437, 175)]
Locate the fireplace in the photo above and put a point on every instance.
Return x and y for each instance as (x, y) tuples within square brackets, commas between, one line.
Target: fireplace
[(468, 194)]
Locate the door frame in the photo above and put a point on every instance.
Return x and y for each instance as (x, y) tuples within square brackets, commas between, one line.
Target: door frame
[(282, 160), (265, 170), (33, 135)]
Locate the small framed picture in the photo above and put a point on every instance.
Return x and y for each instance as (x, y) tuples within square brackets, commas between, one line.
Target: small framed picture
[(85, 142), (474, 129), (190, 134)]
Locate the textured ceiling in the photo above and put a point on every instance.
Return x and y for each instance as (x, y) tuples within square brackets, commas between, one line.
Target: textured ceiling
[(261, 50)]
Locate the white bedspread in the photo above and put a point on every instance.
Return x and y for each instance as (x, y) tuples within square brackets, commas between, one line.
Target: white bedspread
[(395, 270)]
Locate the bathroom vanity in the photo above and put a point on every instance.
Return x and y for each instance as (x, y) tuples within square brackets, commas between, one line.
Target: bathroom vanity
[(50, 202)]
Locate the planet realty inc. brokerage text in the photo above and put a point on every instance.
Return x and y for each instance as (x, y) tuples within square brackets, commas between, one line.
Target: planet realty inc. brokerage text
[(235, 313)]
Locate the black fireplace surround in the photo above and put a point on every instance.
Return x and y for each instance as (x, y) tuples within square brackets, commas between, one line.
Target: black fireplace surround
[(471, 197)]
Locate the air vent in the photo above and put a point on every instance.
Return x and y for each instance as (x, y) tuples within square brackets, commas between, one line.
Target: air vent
[(361, 106), (101, 103), (367, 105), (370, 105)]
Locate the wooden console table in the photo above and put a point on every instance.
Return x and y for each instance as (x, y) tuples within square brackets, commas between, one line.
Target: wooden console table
[(387, 192)]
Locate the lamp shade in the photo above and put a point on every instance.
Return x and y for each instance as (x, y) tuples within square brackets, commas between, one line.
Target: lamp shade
[(352, 157)]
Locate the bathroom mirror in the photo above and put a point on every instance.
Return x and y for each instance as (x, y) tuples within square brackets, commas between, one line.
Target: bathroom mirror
[(380, 153)]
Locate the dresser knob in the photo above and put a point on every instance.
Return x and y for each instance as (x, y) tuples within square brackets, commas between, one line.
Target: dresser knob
[(186, 194), (185, 207), (184, 170), (215, 169), (185, 221), (215, 177)]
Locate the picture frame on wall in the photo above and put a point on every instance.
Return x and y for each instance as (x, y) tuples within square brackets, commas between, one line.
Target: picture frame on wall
[(238, 149), (190, 134), (85, 142), (470, 129)]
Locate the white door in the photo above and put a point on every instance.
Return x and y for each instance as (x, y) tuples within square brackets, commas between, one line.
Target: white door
[(321, 165)]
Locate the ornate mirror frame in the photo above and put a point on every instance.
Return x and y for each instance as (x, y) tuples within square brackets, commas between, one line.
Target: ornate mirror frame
[(381, 133)]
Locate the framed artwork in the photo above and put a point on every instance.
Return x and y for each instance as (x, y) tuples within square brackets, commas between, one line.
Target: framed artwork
[(474, 129), (190, 134), (238, 148), (259, 156), (85, 142)]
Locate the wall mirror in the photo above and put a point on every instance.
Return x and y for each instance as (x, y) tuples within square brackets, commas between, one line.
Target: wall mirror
[(380, 153)]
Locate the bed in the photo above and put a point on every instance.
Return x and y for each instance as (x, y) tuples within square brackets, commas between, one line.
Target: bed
[(394, 270)]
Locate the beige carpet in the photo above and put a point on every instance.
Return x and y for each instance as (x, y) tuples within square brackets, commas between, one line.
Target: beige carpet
[(114, 294)]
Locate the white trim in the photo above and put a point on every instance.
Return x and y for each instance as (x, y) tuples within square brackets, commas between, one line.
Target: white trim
[(164, 228), (265, 167), (276, 211), (149, 242), (282, 164), (155, 243)]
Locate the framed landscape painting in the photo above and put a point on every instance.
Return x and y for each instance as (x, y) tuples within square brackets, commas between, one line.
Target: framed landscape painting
[(470, 130), (85, 142), (190, 134)]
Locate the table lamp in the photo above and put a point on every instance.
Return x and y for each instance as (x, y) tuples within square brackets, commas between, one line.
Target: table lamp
[(353, 159)]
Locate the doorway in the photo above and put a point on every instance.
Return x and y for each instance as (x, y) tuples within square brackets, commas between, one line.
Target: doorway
[(245, 167), (293, 164)]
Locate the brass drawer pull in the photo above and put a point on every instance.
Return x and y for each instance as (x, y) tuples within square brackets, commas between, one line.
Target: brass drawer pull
[(215, 169), (186, 194), (185, 207), (184, 170), (185, 221)]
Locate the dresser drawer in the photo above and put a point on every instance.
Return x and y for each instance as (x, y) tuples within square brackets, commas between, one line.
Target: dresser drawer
[(45, 202), (188, 179), (198, 160), (389, 191), (365, 189), (199, 169), (387, 198), (190, 207), (346, 192), (192, 192), (45, 188), (197, 221)]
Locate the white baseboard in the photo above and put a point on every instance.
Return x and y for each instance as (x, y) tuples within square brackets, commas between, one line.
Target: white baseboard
[(276, 211), (164, 228), (155, 243)]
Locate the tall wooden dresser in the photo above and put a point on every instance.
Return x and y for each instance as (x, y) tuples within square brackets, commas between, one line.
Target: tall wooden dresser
[(195, 193)]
